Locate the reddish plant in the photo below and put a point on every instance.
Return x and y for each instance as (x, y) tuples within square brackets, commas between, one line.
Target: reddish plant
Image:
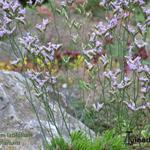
[(143, 53), (44, 10)]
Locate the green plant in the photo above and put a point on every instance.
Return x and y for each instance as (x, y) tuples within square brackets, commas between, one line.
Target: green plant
[(58, 143), (94, 7), (80, 141)]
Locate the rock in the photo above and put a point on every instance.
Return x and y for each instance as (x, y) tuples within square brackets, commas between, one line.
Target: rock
[(6, 52), (19, 126)]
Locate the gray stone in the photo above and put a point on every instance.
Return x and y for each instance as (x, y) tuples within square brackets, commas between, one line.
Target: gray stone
[(18, 119)]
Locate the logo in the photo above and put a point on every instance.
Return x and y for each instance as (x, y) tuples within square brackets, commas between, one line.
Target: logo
[(133, 139)]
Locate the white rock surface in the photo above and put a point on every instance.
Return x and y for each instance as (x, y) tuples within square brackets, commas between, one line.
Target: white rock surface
[(17, 117)]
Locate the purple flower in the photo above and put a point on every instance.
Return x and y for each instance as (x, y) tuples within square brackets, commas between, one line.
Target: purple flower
[(147, 22), (92, 37), (88, 64), (133, 107), (32, 45), (113, 23), (6, 20), (4, 31), (130, 29), (22, 11), (89, 53), (134, 64), (146, 69), (110, 75), (41, 78), (102, 28), (141, 2), (146, 11), (98, 44), (103, 2), (97, 106), (139, 43), (125, 15), (144, 89), (13, 10), (14, 5), (42, 26), (141, 27), (29, 41), (5, 5), (15, 62), (124, 83), (104, 60), (144, 79)]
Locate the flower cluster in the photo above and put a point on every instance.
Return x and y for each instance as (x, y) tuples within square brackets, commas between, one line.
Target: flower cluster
[(33, 46), (117, 85), (12, 13), (13, 9), (41, 78)]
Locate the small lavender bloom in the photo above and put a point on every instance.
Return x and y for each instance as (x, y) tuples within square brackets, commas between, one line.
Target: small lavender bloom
[(38, 2), (113, 23), (144, 106), (41, 78), (147, 22), (146, 11), (47, 57), (2, 32), (14, 5), (15, 62), (29, 41), (42, 26), (63, 3), (102, 28), (13, 10), (6, 20), (141, 27), (53, 80), (124, 83), (5, 5), (139, 43), (144, 89), (98, 44), (146, 69), (110, 76), (141, 2), (92, 37), (89, 53), (22, 11), (97, 106), (99, 50), (144, 79), (104, 60), (133, 107), (134, 64), (125, 15), (88, 64), (130, 29), (29, 2)]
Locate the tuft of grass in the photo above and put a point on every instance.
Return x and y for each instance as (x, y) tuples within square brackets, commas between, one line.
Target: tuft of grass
[(80, 141)]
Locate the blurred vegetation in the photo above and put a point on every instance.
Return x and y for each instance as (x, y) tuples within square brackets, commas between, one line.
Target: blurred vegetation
[(79, 141)]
